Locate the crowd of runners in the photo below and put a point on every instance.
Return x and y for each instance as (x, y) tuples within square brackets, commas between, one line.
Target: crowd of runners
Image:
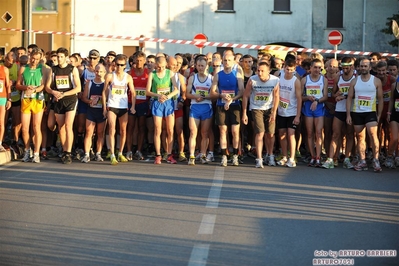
[(193, 108)]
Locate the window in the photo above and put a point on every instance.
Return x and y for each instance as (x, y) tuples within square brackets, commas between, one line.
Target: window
[(131, 5), (226, 5), (335, 13), (282, 5), (44, 5)]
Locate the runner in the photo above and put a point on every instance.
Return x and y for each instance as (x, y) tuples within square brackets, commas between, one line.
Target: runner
[(95, 119), (365, 90), (5, 100), (162, 87), (115, 104), (30, 82), (262, 91), (64, 85), (201, 113), (393, 119)]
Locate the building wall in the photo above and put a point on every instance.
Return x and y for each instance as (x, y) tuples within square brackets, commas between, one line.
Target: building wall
[(377, 12), (9, 39)]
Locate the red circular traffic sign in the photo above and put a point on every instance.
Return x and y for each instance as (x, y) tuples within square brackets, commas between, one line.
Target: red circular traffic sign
[(335, 37), (200, 37)]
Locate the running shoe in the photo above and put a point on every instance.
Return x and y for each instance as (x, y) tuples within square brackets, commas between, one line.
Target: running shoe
[(171, 160), (317, 163), (36, 158), (158, 159), (108, 155), (235, 162), (122, 158), (283, 161), (129, 156), (210, 157), (259, 163), (328, 164), (224, 161), (182, 157), (165, 157), (138, 156), (271, 162), (204, 160), (336, 162), (26, 157), (290, 163), (376, 165), (397, 161), (43, 155), (114, 161), (389, 163), (312, 162), (298, 154), (361, 166), (67, 159), (347, 164), (191, 161), (85, 159), (99, 158), (266, 159)]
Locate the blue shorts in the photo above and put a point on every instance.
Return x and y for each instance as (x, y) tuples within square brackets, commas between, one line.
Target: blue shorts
[(163, 109), (141, 109), (327, 113), (95, 115), (201, 111), (316, 113), (82, 107)]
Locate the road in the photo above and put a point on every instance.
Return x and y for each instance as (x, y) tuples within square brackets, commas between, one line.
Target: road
[(138, 213)]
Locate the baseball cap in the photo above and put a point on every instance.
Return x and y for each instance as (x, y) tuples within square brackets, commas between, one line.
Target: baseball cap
[(111, 53), (94, 53)]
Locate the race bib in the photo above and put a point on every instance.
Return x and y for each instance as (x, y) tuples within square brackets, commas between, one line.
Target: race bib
[(202, 91), (15, 95), (284, 103), (163, 91), (62, 82), (313, 92), (397, 105), (118, 91), (232, 94), (1, 85), (330, 89), (261, 97), (387, 96), (96, 101), (140, 94), (344, 90), (364, 103)]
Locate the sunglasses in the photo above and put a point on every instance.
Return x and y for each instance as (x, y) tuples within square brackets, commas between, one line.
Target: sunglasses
[(93, 58), (121, 65)]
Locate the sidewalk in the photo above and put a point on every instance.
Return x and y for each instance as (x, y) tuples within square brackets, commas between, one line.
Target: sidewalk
[(5, 157)]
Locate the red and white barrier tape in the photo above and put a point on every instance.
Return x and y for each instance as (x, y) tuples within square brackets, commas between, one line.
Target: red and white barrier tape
[(213, 44)]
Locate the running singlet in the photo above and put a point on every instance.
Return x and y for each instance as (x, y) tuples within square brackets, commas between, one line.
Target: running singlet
[(343, 86), (228, 84), (161, 85), (202, 88), (262, 93), (33, 77), (365, 96), (330, 87), (63, 78), (140, 84), (288, 102), (15, 94), (386, 90), (117, 97), (314, 88), (395, 107), (95, 94), (86, 76)]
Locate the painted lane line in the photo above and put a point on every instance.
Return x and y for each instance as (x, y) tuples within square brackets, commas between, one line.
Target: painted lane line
[(207, 224), (199, 255), (214, 193)]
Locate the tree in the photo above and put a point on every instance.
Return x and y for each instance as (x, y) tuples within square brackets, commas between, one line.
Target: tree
[(388, 29)]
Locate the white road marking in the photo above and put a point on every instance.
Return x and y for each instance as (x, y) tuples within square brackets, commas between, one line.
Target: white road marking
[(199, 255), (207, 224), (214, 193)]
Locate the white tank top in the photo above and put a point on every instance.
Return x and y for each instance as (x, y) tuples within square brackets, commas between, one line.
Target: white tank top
[(314, 88), (365, 95), (176, 98), (288, 101), (262, 92), (202, 88), (343, 86), (117, 97)]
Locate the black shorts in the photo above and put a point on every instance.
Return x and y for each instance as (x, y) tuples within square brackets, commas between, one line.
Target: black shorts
[(16, 104), (285, 122), (66, 104), (229, 117), (361, 119), (394, 117), (341, 116), (119, 112), (95, 115)]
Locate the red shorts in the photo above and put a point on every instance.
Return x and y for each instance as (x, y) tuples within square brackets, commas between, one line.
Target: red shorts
[(178, 113)]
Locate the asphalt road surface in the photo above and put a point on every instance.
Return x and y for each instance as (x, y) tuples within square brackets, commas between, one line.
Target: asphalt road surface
[(137, 213)]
